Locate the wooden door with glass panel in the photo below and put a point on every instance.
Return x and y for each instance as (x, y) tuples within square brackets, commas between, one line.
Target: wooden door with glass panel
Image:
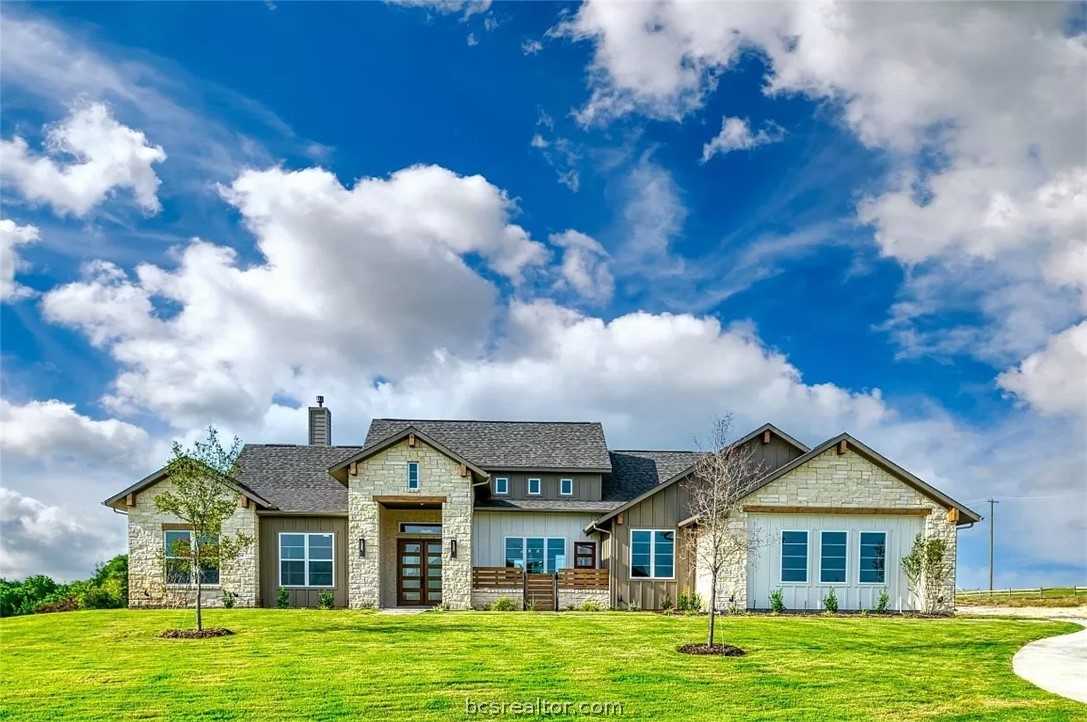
[(419, 572)]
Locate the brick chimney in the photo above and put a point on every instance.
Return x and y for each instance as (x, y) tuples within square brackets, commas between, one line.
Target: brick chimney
[(320, 424)]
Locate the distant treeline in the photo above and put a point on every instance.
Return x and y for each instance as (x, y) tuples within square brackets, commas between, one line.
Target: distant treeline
[(107, 589)]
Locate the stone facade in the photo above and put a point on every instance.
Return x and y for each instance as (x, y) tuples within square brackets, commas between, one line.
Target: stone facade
[(484, 598), (146, 576), (847, 480), (385, 474), (574, 598)]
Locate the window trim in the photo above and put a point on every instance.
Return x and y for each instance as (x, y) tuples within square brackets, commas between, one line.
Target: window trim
[(807, 557), (566, 493), (506, 486), (652, 555), (524, 550), (415, 465), (189, 584), (539, 486), (589, 543), (846, 570), (886, 548), (305, 559)]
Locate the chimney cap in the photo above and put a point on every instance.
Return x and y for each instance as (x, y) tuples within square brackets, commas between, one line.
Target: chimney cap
[(320, 400)]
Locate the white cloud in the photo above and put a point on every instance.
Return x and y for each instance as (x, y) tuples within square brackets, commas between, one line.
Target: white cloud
[(653, 214), (736, 135), (1054, 379), (11, 237), (468, 7), (54, 429), (531, 47), (472, 40), (584, 265), (107, 156)]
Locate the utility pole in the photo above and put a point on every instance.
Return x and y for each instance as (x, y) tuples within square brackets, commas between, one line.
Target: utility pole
[(991, 520)]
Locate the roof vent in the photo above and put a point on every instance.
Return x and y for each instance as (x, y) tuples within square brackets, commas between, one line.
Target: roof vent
[(320, 424)]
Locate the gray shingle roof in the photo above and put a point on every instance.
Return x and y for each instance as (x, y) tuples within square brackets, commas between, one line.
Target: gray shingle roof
[(596, 507), (295, 478), (511, 444), (635, 472)]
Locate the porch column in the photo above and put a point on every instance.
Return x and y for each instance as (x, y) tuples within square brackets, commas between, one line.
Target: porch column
[(457, 527), (363, 552)]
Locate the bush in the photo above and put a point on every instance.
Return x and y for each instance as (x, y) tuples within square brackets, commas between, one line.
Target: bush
[(777, 601), (283, 598), (682, 602), (228, 600), (830, 602), (884, 600), (326, 599), (590, 606), (68, 604), (634, 606), (106, 589), (666, 604), (505, 604), (694, 604)]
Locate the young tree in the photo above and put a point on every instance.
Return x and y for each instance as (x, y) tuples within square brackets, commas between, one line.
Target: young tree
[(203, 496), (927, 568), (718, 538)]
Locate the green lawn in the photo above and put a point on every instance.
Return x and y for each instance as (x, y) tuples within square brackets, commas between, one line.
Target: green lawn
[(309, 664)]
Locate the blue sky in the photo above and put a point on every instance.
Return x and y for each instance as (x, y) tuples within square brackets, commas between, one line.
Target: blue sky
[(886, 241)]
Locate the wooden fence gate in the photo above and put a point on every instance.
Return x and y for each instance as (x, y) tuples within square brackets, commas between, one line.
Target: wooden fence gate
[(540, 593)]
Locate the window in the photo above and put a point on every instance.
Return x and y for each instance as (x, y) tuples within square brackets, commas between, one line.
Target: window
[(536, 554), (410, 528), (413, 474), (873, 557), (584, 555), (502, 485), (534, 487), (652, 553), (566, 487), (305, 560), (832, 545), (177, 552), (794, 556)]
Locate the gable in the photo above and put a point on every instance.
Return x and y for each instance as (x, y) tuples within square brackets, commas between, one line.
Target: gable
[(130, 497)]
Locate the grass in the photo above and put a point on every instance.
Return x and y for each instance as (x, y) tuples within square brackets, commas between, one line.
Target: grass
[(328, 665), (1052, 597)]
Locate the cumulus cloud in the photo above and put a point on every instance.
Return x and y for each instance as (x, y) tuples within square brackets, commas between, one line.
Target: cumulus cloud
[(11, 237), (584, 265), (54, 428), (1054, 379), (736, 135), (531, 47), (106, 155), (468, 7)]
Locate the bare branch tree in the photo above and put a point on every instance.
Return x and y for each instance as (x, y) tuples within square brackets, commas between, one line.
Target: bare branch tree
[(717, 537)]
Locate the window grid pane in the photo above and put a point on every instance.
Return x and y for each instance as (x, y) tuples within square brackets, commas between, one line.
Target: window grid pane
[(873, 557), (413, 475), (515, 552), (794, 556), (306, 560), (832, 557)]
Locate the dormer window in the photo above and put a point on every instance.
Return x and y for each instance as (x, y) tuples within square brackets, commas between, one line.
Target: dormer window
[(533, 487), (502, 486), (566, 487), (413, 476)]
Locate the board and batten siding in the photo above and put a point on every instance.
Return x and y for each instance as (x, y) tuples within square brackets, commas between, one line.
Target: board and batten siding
[(490, 529), (586, 486), (764, 564), (270, 528)]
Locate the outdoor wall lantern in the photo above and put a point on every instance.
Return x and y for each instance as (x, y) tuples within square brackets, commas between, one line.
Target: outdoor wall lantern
[(362, 547), (453, 548)]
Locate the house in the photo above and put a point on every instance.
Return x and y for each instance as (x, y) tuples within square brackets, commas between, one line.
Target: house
[(427, 512)]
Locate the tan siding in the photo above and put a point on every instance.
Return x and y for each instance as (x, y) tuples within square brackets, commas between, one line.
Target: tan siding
[(775, 454), (490, 529), (586, 486), (270, 527)]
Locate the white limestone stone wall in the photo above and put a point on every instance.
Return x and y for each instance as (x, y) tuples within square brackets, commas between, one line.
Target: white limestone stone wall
[(146, 577), (484, 598), (574, 598), (386, 474)]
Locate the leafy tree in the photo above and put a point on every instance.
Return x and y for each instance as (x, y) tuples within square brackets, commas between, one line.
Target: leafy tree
[(927, 568), (203, 495)]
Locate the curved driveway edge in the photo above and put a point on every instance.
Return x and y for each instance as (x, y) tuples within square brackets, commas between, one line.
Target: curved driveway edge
[(1057, 664)]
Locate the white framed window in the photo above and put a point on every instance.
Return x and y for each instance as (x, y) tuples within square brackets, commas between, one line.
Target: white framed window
[(536, 554), (566, 487), (534, 487), (652, 553), (832, 556), (413, 475), (872, 559), (501, 486), (177, 549), (794, 556), (307, 559)]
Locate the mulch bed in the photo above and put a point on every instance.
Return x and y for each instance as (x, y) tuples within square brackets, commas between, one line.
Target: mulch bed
[(196, 634), (725, 650)]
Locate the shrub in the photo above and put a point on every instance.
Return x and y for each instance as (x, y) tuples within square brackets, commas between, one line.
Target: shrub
[(283, 598), (368, 604), (830, 602), (228, 600), (884, 600), (666, 604), (67, 604), (734, 608), (590, 606), (326, 599), (634, 606), (777, 601), (682, 602), (694, 603), (505, 604), (442, 607)]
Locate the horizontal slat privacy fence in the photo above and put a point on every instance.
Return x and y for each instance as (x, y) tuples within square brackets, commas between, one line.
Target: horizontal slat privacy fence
[(496, 577), (583, 579)]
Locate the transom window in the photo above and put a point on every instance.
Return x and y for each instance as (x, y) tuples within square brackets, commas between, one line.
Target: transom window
[(794, 556), (534, 487), (652, 553), (832, 546), (873, 557), (408, 527), (566, 487), (502, 485), (177, 556), (536, 554), (306, 560), (413, 474)]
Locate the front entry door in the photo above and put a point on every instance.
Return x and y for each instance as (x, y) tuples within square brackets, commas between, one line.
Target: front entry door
[(419, 572)]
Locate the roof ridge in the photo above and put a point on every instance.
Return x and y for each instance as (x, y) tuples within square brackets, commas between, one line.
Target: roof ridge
[(654, 451), (304, 446), (485, 421)]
